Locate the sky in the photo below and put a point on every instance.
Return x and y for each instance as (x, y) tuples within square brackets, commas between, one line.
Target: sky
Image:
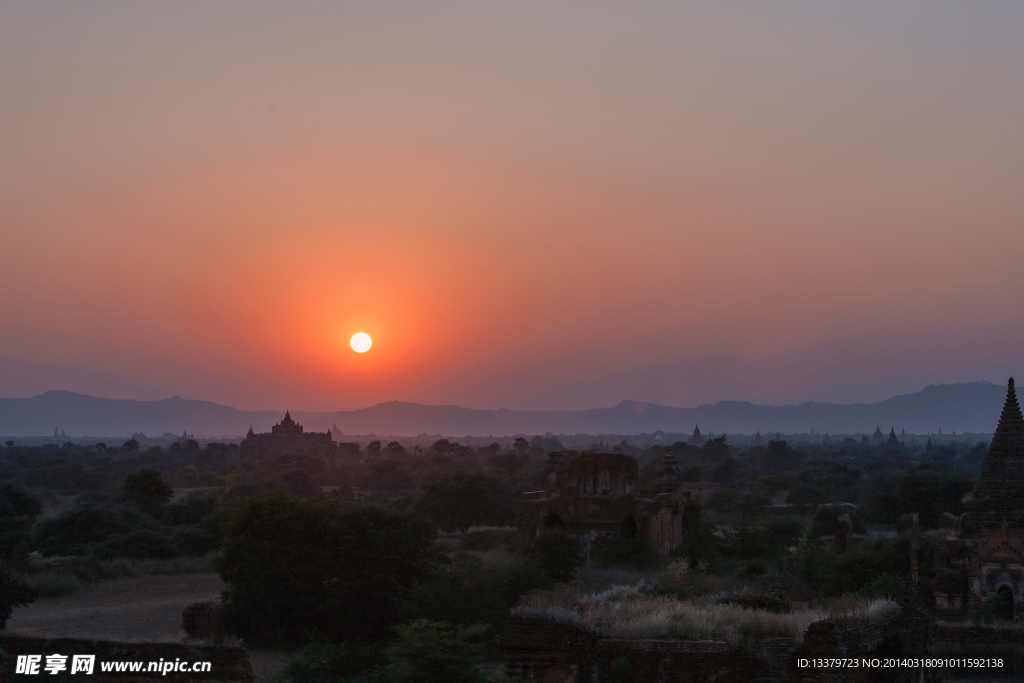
[(525, 204)]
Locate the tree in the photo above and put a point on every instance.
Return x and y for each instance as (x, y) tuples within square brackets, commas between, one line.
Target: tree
[(130, 446), (558, 554), (394, 450), (13, 593), (715, 449), (467, 499), (373, 450), (18, 512), (387, 477), (10, 443), (148, 488), (316, 568)]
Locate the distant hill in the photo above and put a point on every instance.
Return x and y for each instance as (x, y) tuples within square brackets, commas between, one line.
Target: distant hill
[(962, 408), (970, 407)]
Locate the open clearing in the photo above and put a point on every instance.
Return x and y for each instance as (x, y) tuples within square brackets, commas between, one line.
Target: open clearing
[(146, 608)]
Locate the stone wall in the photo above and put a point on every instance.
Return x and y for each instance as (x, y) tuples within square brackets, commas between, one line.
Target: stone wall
[(228, 664)]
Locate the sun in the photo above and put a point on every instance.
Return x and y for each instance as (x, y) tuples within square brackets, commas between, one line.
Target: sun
[(360, 342)]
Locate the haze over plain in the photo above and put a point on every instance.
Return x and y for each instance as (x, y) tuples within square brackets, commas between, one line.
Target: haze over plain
[(527, 206)]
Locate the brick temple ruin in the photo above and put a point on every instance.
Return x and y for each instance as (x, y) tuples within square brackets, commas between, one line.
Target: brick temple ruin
[(595, 497)]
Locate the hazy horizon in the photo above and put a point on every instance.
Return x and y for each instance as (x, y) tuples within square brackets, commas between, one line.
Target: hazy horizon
[(302, 409), (526, 206)]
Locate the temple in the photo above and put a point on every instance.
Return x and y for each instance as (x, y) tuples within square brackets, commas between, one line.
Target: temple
[(986, 557), (594, 497), (288, 438)]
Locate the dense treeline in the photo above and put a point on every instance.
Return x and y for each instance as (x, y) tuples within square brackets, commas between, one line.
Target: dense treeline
[(374, 548)]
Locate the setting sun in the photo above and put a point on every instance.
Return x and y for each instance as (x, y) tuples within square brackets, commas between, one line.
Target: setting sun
[(360, 342)]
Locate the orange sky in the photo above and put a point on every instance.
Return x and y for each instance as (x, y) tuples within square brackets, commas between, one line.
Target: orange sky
[(525, 205)]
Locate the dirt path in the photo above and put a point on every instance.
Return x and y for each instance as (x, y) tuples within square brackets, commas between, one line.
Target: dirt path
[(147, 608)]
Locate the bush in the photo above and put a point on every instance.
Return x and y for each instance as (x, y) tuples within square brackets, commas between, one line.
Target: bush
[(194, 541), (464, 591), (147, 488), (825, 519), (621, 668), (190, 511), (326, 662), (84, 526), (18, 512), (769, 603), (435, 652), (468, 499), (13, 593), (699, 543), (143, 543), (315, 568), (52, 585), (558, 555), (631, 553)]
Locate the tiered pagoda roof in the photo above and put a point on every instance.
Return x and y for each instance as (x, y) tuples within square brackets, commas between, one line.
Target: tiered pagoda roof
[(999, 497)]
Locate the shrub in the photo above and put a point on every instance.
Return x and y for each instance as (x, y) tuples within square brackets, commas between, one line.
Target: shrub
[(768, 603), (621, 668), (826, 518), (143, 543), (147, 488), (632, 553), (194, 541), (13, 593), (464, 591), (52, 585), (468, 499), (190, 511), (85, 525), (698, 543), (436, 652), (325, 662), (558, 555), (18, 512), (316, 568)]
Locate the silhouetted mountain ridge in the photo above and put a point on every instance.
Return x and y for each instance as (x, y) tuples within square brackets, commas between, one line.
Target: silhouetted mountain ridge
[(971, 407)]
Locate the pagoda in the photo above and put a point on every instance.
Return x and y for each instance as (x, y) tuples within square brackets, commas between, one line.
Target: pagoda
[(999, 497)]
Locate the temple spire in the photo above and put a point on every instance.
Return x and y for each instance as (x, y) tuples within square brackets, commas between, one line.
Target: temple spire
[(1009, 436)]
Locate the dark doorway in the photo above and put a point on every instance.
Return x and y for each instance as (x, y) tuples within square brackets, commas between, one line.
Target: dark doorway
[(553, 521), (1004, 604), (628, 528)]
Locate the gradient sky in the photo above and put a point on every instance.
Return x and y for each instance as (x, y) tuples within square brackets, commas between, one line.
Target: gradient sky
[(525, 204)]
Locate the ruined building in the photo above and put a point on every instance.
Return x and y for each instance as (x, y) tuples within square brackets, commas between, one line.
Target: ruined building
[(288, 438), (594, 496)]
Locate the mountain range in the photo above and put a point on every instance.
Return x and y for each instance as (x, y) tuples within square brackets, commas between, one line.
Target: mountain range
[(971, 407)]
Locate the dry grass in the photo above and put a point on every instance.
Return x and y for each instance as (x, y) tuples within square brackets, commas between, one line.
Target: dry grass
[(628, 612), (852, 609)]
